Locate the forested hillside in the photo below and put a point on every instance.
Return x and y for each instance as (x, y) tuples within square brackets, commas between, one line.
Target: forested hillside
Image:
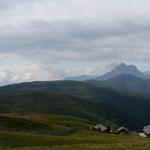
[(127, 82), (60, 104), (134, 104)]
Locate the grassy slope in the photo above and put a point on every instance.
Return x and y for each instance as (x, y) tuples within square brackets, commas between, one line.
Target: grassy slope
[(68, 105), (134, 104), (38, 122), (79, 140)]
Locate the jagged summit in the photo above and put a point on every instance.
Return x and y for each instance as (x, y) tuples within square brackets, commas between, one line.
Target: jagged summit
[(122, 69)]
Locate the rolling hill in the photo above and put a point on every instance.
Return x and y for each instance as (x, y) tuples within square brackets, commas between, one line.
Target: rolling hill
[(60, 104), (135, 105)]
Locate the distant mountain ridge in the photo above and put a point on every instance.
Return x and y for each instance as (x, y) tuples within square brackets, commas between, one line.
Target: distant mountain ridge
[(122, 69), (119, 70)]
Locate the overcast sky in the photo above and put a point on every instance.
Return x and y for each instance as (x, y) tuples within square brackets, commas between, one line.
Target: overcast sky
[(52, 39)]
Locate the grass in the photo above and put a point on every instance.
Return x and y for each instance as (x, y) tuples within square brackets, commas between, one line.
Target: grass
[(42, 122), (77, 141)]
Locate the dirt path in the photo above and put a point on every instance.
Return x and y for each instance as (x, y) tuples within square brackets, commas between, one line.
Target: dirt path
[(43, 132)]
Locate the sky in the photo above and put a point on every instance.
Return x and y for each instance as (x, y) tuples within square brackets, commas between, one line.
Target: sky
[(54, 39)]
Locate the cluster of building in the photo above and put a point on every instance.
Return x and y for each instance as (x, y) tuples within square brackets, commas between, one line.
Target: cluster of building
[(121, 130), (101, 128)]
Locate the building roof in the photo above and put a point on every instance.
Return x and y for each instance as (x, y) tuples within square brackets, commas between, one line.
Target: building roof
[(122, 128), (147, 129), (143, 135), (99, 126), (148, 126)]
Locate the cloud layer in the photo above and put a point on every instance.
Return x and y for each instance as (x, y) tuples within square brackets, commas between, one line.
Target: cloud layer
[(49, 34)]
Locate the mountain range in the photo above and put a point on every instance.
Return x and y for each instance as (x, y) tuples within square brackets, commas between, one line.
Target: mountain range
[(119, 70), (123, 69)]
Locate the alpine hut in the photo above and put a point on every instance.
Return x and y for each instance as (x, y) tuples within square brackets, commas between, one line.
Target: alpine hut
[(123, 131), (147, 130), (100, 128)]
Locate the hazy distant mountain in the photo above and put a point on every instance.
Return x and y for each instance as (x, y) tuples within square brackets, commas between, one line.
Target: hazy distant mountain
[(81, 78), (119, 70), (122, 69)]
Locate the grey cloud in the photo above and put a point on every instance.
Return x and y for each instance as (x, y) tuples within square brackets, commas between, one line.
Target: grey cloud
[(50, 33), (5, 4), (77, 38)]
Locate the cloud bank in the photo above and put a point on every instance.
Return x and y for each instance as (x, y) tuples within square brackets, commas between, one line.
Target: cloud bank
[(48, 34)]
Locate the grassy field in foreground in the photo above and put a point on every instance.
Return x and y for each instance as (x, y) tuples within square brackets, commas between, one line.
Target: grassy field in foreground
[(79, 140)]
